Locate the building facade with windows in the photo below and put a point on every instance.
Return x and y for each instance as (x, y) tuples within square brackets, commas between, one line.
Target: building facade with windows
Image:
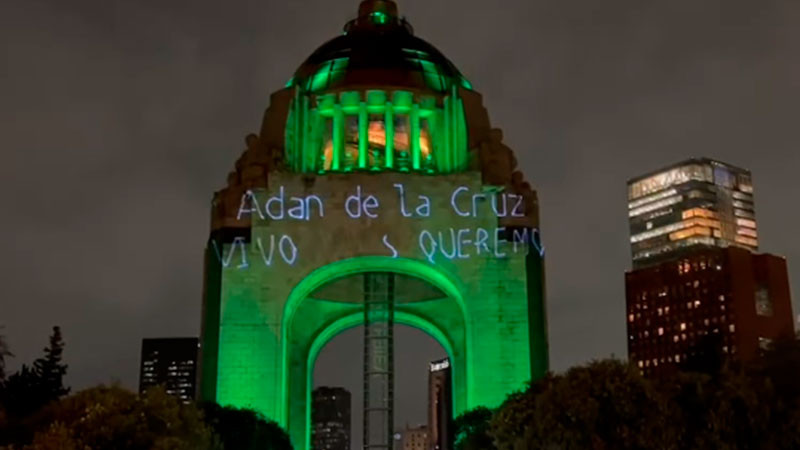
[(171, 363), (698, 292), (416, 438), (728, 302), (698, 202), (440, 405), (330, 416)]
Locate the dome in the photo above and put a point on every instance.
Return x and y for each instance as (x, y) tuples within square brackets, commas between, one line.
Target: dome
[(377, 49)]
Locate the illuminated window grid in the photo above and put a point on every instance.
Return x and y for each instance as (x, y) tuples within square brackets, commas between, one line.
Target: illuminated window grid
[(667, 322), (671, 177), (689, 227)]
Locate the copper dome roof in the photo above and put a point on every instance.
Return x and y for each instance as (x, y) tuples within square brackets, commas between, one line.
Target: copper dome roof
[(377, 49)]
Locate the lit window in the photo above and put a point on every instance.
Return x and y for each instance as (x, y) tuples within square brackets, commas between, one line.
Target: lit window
[(747, 232), (699, 212), (746, 241), (630, 318), (683, 326), (660, 331), (656, 205), (746, 223), (675, 338), (696, 303), (731, 328)]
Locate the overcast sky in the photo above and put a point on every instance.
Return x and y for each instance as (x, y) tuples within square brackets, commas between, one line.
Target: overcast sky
[(119, 119)]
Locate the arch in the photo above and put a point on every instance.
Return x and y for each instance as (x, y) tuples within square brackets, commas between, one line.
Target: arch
[(356, 319), (353, 266)]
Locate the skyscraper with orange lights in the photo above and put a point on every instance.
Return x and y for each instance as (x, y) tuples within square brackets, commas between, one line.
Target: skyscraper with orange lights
[(698, 290), (694, 203)]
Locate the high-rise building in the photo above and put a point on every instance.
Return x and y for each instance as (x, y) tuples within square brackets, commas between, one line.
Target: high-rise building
[(172, 363), (440, 405), (415, 438), (331, 418), (725, 302), (698, 202), (697, 292)]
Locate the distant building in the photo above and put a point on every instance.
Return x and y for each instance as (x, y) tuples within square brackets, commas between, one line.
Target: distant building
[(697, 291), (415, 438), (172, 363), (331, 418), (695, 203), (440, 405)]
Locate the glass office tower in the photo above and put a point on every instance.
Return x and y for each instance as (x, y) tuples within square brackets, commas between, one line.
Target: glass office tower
[(695, 203)]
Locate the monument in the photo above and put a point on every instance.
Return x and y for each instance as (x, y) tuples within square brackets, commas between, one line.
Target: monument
[(376, 192)]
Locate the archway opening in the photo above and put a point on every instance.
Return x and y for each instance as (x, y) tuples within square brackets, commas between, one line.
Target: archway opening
[(340, 364), (326, 304)]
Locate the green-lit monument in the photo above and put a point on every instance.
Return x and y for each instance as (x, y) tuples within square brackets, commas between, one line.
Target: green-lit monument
[(376, 179)]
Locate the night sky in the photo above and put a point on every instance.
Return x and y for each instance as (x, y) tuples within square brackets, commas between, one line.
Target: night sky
[(119, 119)]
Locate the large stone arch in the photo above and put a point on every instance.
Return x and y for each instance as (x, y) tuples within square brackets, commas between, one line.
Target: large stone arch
[(308, 324), (261, 321)]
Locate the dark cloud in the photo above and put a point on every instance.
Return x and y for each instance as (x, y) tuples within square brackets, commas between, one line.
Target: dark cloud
[(118, 120)]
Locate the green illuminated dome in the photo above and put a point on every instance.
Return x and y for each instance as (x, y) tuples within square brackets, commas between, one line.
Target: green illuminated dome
[(377, 49)]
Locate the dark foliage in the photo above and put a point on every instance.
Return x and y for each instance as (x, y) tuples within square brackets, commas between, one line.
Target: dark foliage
[(51, 369), (114, 418), (471, 430), (24, 393), (4, 353), (609, 405), (242, 429)]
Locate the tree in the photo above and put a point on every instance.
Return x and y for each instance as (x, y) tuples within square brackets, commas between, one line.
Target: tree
[(510, 420), (114, 418), (3, 354), (471, 430), (51, 370), (242, 429), (31, 388), (605, 405), (21, 393), (57, 437)]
